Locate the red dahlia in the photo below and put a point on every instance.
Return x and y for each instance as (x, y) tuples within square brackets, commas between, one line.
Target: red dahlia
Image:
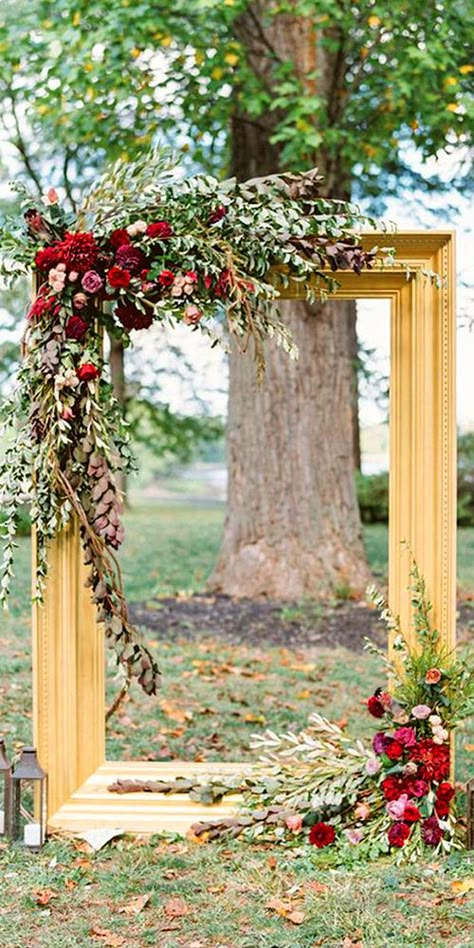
[(398, 834), (393, 787), (431, 831), (78, 251), (132, 318), (47, 258), (322, 834), (131, 259), (433, 759)]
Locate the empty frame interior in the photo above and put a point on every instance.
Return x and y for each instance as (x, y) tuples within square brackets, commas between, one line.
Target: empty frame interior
[(68, 648)]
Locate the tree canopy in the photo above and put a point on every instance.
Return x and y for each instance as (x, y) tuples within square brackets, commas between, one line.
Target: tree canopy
[(101, 79)]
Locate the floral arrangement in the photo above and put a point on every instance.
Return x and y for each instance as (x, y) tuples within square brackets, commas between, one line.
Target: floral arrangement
[(147, 247), (394, 794)]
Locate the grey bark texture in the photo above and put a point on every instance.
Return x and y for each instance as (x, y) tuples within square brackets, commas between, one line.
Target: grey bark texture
[(292, 527)]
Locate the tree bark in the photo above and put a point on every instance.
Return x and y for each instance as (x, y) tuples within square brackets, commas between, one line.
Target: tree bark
[(292, 527)]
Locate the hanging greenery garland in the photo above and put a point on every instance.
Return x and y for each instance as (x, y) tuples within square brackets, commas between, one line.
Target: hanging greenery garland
[(147, 246)]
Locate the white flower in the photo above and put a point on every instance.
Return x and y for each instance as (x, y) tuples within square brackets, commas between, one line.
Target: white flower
[(138, 227), (435, 721), (67, 380)]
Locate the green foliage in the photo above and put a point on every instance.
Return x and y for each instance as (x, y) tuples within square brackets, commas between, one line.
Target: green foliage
[(106, 79), (372, 495)]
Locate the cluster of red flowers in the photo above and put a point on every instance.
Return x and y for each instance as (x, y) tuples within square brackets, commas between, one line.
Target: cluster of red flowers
[(412, 768)]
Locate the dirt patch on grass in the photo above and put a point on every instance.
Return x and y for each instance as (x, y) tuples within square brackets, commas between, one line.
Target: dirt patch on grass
[(257, 622)]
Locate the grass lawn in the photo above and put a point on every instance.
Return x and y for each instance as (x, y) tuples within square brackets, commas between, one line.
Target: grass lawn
[(179, 894)]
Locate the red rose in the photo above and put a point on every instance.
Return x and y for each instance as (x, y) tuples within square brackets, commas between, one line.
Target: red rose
[(117, 277), (375, 707), (393, 787), (322, 834), (159, 231), (445, 791), (47, 258), (398, 834), (119, 238), (76, 328), (132, 318), (87, 372), (433, 759), (441, 808), (412, 813), (217, 215), (431, 831), (394, 750), (166, 278)]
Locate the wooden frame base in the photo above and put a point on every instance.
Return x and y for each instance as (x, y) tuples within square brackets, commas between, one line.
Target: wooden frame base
[(68, 649)]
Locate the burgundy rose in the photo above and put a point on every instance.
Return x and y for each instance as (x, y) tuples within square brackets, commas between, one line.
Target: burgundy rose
[(160, 230), (132, 318), (380, 742), (441, 808), (445, 791), (217, 215), (375, 707), (76, 328), (419, 788), (166, 278), (119, 238), (87, 372), (394, 750), (405, 736), (91, 281), (431, 831), (398, 834), (322, 834), (118, 277)]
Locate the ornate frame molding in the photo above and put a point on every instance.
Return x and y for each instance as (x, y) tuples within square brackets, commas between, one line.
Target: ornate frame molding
[(68, 652)]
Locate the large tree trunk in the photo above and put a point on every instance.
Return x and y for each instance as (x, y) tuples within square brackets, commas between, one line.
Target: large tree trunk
[(292, 525)]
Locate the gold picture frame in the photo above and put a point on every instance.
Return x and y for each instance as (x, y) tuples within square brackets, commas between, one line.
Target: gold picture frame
[(68, 649)]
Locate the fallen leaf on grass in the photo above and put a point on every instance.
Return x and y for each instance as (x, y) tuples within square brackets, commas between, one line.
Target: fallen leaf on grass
[(174, 712), (43, 897), (349, 943), (318, 887), (98, 838), (135, 906), (469, 747), (109, 939), (287, 910), (460, 886), (176, 908)]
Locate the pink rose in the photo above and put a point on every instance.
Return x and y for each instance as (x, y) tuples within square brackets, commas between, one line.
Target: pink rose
[(294, 822), (354, 836), (79, 300), (91, 281), (405, 736), (396, 809), (372, 766), (421, 712), (192, 315)]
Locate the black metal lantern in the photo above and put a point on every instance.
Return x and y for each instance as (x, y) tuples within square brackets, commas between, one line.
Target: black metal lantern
[(5, 791), (29, 800)]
